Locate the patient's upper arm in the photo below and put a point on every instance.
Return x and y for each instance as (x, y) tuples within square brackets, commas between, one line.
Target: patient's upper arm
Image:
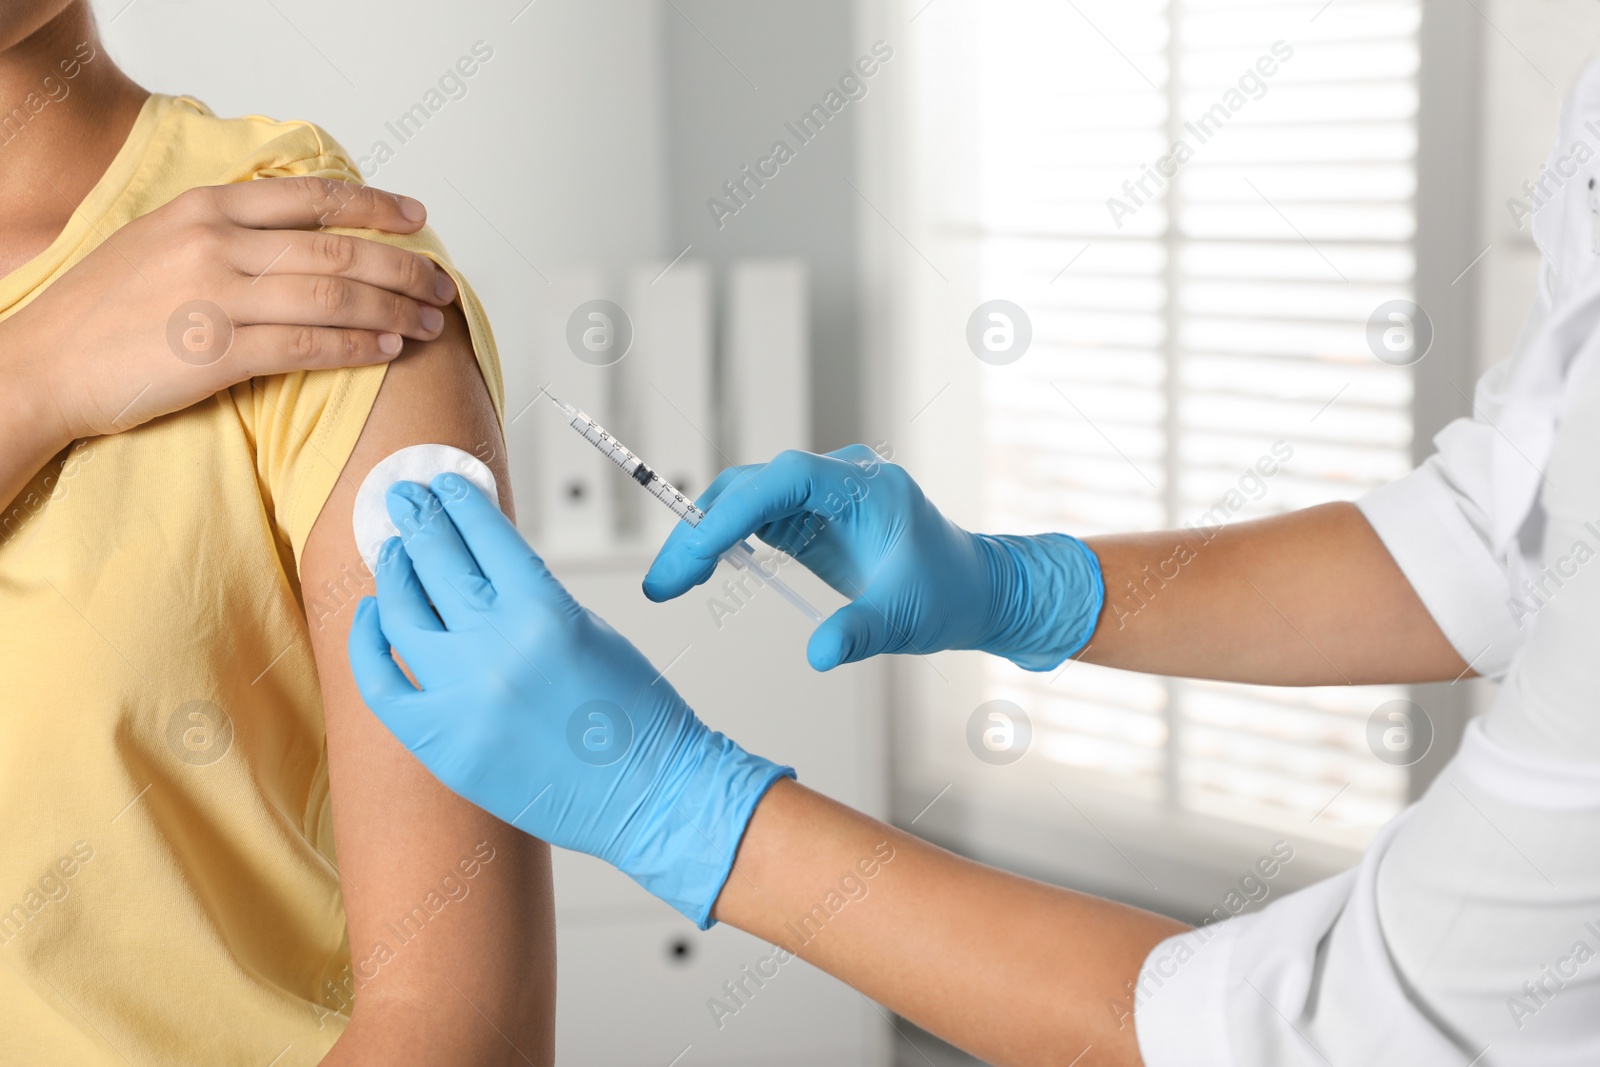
[(450, 966)]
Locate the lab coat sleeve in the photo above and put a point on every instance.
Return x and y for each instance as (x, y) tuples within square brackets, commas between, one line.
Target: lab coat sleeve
[(1245, 992), (1438, 521), (1181, 999)]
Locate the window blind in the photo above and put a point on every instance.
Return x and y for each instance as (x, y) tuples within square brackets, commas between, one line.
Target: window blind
[(1199, 204)]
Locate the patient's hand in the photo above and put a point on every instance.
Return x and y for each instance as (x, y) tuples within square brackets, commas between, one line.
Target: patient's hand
[(220, 285)]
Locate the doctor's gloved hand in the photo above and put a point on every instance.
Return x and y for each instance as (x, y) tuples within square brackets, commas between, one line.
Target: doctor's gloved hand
[(534, 709), (918, 582)]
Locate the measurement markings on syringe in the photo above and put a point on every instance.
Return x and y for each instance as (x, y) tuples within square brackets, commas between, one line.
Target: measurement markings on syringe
[(632, 465)]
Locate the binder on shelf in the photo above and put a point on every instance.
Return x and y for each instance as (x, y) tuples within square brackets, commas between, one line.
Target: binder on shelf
[(767, 365), (577, 490), (668, 414)]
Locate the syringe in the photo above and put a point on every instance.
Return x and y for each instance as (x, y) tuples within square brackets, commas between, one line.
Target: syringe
[(741, 556)]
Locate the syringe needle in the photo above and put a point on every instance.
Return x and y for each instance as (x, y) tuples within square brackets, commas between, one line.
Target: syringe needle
[(743, 557), (566, 409)]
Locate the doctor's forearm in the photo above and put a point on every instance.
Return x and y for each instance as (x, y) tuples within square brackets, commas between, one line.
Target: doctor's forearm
[(1012, 970), (1307, 598)]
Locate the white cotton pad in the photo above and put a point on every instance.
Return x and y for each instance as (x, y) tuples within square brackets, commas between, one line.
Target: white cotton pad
[(418, 463)]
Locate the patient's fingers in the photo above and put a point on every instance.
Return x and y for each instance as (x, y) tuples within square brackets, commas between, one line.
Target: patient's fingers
[(260, 253), (258, 351), (325, 300), (307, 202)]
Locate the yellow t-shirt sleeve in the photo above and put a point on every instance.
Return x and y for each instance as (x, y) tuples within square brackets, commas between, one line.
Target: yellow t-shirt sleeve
[(305, 424)]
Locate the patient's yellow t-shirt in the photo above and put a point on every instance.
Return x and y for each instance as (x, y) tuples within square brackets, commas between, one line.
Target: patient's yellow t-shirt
[(167, 888)]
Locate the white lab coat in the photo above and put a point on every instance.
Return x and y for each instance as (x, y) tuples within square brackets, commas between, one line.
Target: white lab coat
[(1470, 932)]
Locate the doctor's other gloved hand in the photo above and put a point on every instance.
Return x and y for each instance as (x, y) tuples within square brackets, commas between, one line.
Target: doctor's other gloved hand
[(533, 708), (918, 582)]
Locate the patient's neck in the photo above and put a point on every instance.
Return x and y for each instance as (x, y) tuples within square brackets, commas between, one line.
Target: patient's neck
[(65, 110)]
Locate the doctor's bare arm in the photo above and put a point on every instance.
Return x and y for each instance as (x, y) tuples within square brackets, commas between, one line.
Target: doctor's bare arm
[(1307, 598), (1017, 972)]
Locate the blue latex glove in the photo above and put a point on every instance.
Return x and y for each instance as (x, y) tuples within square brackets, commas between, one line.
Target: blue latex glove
[(917, 581), (534, 709)]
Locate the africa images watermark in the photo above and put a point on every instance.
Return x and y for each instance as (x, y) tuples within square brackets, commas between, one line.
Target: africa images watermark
[(742, 187), (738, 591), (52, 487), (738, 992), (1253, 887), (52, 90), (454, 886), (1553, 977), (452, 85), (52, 888), (1251, 85), (1553, 176), (1556, 573), (1134, 597)]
